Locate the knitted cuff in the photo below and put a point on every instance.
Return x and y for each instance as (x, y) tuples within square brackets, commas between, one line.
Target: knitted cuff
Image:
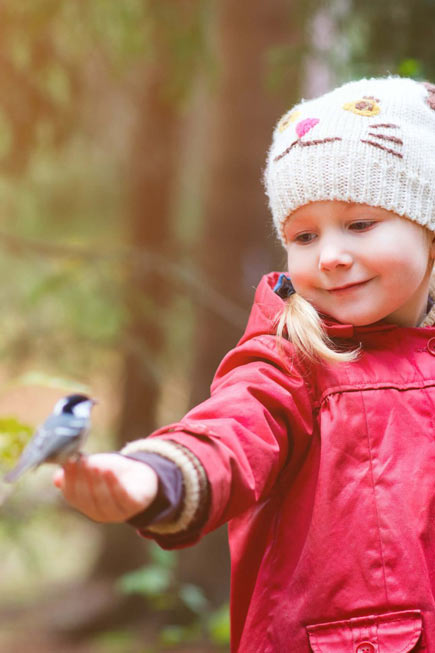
[(194, 481)]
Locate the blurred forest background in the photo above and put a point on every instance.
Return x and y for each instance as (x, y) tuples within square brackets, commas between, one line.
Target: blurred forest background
[(133, 232)]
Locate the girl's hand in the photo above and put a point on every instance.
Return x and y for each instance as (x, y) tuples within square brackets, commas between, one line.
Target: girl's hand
[(107, 487)]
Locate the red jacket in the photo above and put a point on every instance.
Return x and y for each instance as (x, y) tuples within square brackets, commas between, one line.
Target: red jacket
[(326, 474)]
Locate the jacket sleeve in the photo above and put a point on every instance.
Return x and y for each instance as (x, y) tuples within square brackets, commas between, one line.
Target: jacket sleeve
[(257, 420)]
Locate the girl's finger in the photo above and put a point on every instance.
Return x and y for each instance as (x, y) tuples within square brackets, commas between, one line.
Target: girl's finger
[(106, 507), (76, 488), (59, 478)]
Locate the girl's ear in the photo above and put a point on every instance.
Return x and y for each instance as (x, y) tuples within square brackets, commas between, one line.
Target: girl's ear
[(432, 247)]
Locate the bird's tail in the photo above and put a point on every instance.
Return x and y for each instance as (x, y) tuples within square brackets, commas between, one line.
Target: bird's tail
[(14, 474)]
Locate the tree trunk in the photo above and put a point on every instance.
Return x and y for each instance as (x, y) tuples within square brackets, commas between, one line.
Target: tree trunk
[(153, 167), (237, 241)]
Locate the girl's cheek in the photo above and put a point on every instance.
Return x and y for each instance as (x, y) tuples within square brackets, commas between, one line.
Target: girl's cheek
[(299, 269)]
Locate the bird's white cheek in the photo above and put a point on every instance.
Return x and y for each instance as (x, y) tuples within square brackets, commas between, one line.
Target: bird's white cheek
[(83, 409)]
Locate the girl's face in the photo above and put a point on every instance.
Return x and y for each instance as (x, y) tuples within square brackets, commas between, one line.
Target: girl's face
[(360, 264)]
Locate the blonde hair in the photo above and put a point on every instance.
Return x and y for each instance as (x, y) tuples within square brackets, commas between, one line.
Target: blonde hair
[(305, 330)]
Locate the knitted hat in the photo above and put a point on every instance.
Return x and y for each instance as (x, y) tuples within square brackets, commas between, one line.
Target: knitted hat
[(370, 141)]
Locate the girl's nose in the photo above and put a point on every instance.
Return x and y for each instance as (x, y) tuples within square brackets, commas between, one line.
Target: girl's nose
[(332, 256)]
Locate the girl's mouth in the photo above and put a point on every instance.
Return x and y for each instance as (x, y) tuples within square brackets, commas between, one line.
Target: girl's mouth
[(348, 288)]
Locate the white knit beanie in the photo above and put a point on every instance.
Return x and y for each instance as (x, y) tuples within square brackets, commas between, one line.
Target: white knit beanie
[(370, 141)]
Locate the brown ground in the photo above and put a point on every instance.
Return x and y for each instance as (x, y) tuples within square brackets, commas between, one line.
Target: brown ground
[(68, 623)]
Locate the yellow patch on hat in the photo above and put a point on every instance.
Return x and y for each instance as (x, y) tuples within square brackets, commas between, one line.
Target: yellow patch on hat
[(287, 120), (367, 106)]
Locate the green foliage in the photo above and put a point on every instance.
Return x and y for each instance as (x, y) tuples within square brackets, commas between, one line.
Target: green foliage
[(213, 626), (64, 199), (64, 299), (219, 626), (116, 641), (122, 29), (39, 378), (14, 436), (154, 581), (63, 193), (56, 84), (410, 68), (158, 583), (151, 581), (178, 635), (397, 37), (194, 598)]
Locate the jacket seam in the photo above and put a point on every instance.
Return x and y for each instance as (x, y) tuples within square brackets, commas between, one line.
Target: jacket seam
[(425, 385), (375, 500), (361, 387), (273, 564)]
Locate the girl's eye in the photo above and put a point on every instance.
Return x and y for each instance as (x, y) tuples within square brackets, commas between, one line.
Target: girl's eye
[(362, 225), (304, 238)]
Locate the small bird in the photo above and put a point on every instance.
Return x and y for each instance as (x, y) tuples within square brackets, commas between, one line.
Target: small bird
[(59, 437)]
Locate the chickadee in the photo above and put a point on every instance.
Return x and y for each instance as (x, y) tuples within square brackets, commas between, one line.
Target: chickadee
[(59, 437)]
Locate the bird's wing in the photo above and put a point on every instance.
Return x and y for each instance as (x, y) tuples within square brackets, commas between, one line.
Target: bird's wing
[(51, 435)]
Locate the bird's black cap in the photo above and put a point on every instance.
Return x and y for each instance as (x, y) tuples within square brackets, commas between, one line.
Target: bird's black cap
[(73, 400)]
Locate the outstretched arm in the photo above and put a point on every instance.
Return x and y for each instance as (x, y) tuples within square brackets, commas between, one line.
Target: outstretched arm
[(229, 450)]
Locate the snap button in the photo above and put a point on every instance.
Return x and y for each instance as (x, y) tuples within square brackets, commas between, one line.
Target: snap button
[(431, 346), (366, 647)]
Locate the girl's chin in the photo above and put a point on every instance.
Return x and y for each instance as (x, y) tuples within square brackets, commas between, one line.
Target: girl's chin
[(350, 313), (355, 318)]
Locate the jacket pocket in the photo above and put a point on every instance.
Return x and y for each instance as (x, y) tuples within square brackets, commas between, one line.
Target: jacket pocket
[(391, 632)]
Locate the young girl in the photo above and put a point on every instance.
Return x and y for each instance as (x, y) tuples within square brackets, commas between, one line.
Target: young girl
[(317, 444)]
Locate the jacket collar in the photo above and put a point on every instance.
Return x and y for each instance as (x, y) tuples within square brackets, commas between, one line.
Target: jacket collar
[(429, 320), (268, 306)]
